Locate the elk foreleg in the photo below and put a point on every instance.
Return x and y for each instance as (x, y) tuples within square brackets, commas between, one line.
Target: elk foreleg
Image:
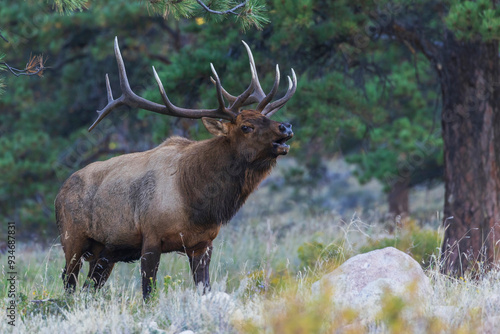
[(199, 266), (150, 259), (70, 274)]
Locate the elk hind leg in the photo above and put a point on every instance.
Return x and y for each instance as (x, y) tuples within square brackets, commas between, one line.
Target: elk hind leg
[(99, 272)]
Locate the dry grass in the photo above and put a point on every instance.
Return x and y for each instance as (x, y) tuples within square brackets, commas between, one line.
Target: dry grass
[(259, 283)]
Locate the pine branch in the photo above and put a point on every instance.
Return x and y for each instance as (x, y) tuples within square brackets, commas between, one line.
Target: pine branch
[(229, 11), (35, 66), (70, 6), (248, 12), (3, 37)]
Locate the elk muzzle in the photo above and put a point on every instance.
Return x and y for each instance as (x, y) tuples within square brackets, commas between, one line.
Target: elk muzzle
[(286, 129), (279, 146)]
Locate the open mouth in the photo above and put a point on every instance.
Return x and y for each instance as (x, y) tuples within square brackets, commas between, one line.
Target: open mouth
[(280, 147)]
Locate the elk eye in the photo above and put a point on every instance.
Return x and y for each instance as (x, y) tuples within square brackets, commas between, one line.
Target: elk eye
[(246, 129)]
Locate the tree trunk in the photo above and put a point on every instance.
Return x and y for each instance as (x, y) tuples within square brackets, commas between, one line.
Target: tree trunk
[(469, 75), (398, 198)]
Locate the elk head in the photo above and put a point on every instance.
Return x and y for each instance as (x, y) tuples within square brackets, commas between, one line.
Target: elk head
[(248, 131)]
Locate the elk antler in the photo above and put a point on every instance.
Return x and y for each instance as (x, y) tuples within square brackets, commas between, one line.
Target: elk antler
[(130, 99), (252, 94)]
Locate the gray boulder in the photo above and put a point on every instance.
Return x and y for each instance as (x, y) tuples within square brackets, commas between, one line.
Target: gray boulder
[(362, 281)]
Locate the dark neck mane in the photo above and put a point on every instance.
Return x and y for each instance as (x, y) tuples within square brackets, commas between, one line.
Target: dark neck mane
[(215, 181)]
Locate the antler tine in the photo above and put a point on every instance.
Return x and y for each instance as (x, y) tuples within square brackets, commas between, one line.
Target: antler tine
[(273, 107), (108, 89), (228, 96), (255, 94), (243, 99), (130, 99), (122, 74), (112, 104), (163, 94), (271, 94), (252, 94), (258, 94), (240, 100), (218, 87)]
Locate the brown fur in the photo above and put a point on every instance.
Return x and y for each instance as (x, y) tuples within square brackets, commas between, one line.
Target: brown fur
[(173, 198)]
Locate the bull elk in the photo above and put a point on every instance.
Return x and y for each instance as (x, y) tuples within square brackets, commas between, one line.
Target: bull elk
[(175, 197)]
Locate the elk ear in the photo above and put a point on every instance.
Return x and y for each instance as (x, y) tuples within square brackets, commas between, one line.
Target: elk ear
[(215, 127)]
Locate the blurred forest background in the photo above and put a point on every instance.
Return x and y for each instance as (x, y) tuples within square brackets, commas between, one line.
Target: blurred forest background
[(361, 95), (366, 91)]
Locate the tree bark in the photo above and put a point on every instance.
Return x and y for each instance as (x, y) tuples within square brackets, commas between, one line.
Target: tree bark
[(469, 75), (398, 198)]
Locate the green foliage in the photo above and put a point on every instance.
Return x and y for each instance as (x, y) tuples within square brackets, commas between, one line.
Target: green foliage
[(313, 253), (306, 316), (25, 166), (331, 110), (392, 313), (358, 93), (260, 281), (39, 114), (473, 20), (251, 14), (70, 6), (169, 283), (422, 244), (372, 98), (43, 121), (399, 142), (2, 68), (178, 9), (254, 15), (45, 307)]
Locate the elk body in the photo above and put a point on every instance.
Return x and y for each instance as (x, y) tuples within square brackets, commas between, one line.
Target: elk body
[(175, 197)]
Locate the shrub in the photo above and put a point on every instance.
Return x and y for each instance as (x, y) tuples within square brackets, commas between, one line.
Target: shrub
[(313, 253), (261, 281), (421, 244)]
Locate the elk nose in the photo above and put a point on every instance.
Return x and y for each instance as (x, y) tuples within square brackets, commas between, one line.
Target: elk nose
[(286, 128)]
